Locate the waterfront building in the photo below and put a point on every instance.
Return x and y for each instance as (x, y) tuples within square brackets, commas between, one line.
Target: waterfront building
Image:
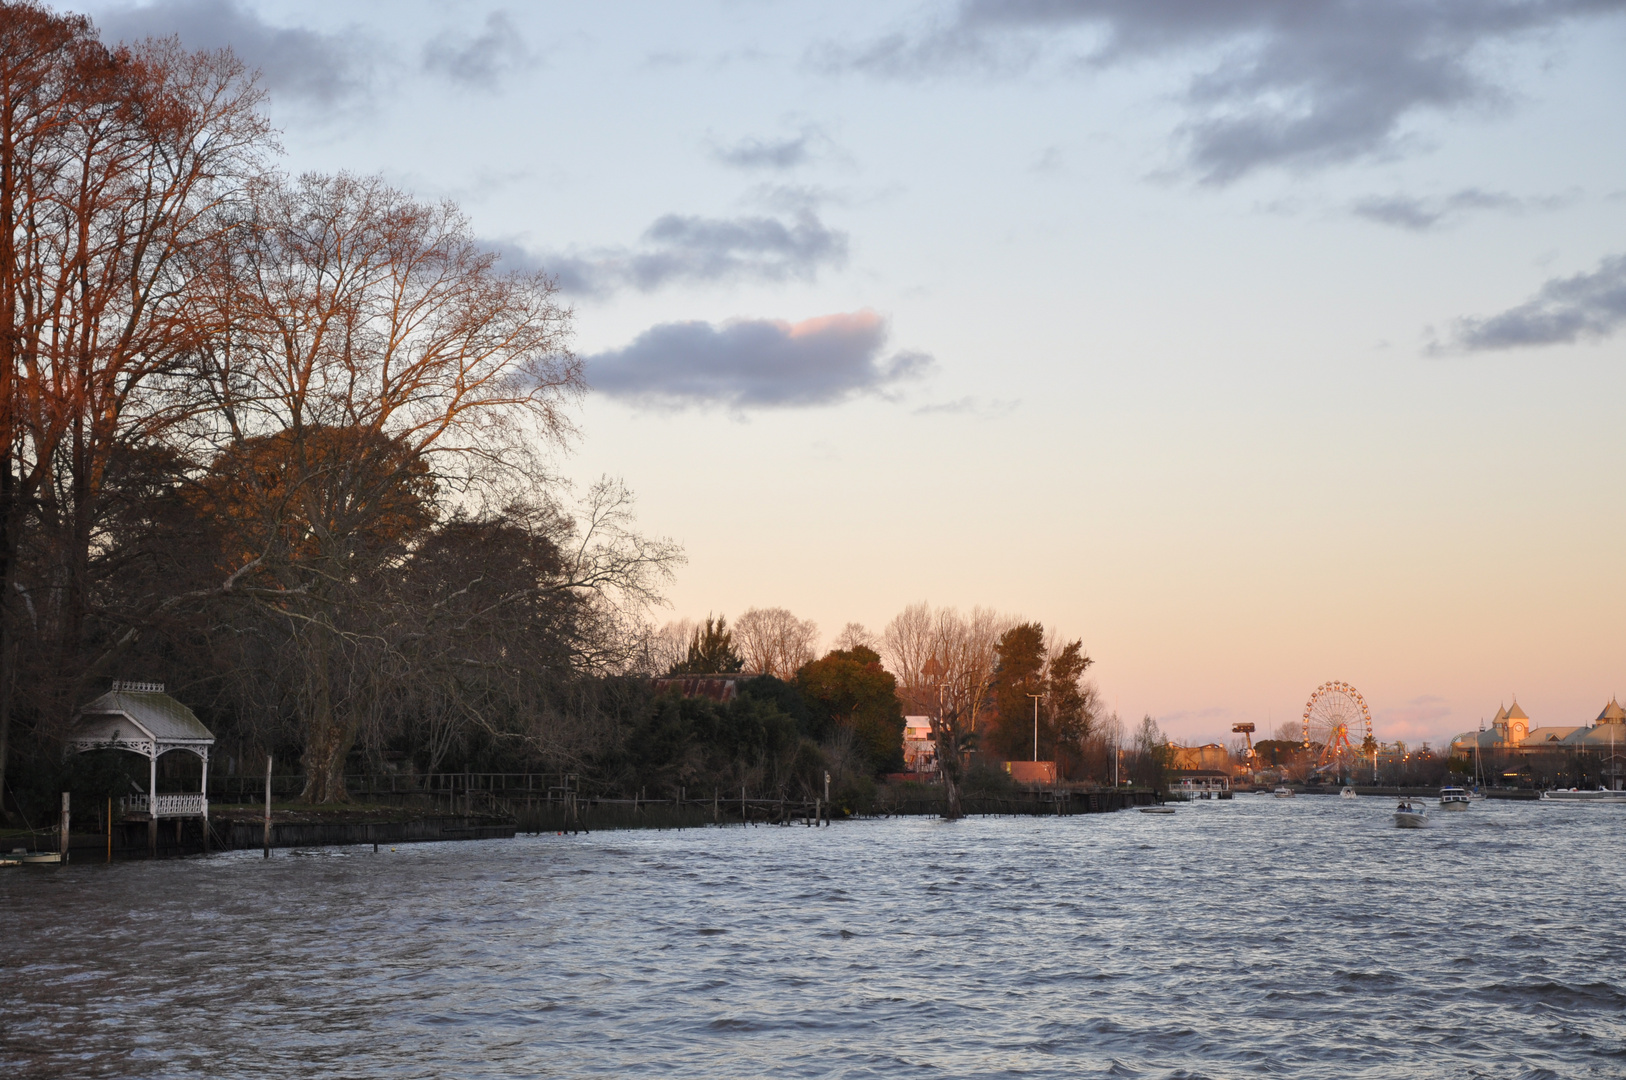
[(1208, 758), (1511, 732)]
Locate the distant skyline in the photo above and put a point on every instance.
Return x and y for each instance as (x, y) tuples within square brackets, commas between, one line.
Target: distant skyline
[(1255, 344)]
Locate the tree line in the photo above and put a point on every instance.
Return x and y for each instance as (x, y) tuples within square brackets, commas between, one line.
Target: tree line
[(283, 443)]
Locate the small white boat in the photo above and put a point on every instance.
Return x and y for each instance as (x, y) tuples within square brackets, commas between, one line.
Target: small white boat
[(1602, 795), (40, 858), (1157, 809), (1409, 814), (1453, 798), (1347, 792), (1284, 792)]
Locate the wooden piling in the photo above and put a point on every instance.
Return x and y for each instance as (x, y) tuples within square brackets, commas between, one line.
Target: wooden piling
[(110, 828), (267, 837), (67, 801)]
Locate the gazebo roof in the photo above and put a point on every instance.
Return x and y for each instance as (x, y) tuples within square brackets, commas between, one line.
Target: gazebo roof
[(155, 716)]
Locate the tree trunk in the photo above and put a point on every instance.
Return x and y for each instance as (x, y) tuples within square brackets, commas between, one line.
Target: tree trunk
[(327, 738), (951, 792)]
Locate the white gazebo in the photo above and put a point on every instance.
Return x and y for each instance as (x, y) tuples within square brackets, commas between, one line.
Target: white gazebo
[(141, 718)]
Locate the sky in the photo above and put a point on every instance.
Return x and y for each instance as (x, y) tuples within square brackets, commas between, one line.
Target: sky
[(1255, 343)]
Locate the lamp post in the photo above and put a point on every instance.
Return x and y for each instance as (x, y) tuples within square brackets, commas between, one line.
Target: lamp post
[(1035, 698)]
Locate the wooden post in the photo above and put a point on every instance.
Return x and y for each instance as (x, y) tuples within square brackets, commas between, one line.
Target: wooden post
[(716, 818), (266, 839), (66, 804), (110, 828), (744, 817), (816, 806)]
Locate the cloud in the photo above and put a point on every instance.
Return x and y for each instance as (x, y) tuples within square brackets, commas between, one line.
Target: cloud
[(685, 248), (483, 61), (1298, 83), (1417, 719), (1420, 215), (1423, 214), (755, 153), (1563, 311), (755, 363), (295, 63), (972, 406)]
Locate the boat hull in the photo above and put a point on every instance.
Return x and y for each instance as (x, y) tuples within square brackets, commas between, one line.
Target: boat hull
[(1409, 821)]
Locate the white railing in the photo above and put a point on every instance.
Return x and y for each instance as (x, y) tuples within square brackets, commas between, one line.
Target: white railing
[(168, 805)]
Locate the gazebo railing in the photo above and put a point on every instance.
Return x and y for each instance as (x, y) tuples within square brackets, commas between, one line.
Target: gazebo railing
[(168, 805)]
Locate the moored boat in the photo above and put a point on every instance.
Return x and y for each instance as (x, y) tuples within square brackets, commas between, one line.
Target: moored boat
[(1409, 814), (39, 858), (1157, 809), (1602, 795), (1453, 798)]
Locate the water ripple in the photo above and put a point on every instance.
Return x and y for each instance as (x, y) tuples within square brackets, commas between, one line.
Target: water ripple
[(1251, 938)]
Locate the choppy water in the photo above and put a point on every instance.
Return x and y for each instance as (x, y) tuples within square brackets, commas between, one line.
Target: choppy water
[(1302, 938)]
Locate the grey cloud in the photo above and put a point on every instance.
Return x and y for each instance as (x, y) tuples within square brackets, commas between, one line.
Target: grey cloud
[(1564, 310), (1422, 214), (755, 363), (972, 406), (481, 61), (1301, 82), (294, 62), (686, 248), (777, 154)]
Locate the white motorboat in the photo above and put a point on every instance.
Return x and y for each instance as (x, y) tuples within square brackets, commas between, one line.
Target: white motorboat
[(1284, 792), (1453, 798), (1409, 814), (1347, 792), (1602, 795)]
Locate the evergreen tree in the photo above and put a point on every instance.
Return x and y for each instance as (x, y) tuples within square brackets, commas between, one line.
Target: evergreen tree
[(711, 651), (1020, 672)]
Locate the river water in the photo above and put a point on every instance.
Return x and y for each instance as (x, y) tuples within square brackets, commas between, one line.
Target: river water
[(1257, 937)]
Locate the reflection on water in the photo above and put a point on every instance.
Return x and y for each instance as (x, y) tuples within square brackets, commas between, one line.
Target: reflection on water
[(1302, 938)]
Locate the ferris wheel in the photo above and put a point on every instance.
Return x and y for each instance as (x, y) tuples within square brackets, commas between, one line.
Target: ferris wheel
[(1337, 720)]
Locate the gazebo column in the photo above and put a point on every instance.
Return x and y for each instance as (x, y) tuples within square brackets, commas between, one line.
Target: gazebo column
[(205, 790), (152, 803)]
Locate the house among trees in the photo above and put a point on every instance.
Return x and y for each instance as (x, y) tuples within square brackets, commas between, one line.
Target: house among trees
[(919, 751)]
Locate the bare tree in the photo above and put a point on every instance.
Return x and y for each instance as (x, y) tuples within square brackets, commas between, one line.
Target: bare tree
[(665, 647), (372, 363), (857, 636), (774, 642), (952, 657)]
